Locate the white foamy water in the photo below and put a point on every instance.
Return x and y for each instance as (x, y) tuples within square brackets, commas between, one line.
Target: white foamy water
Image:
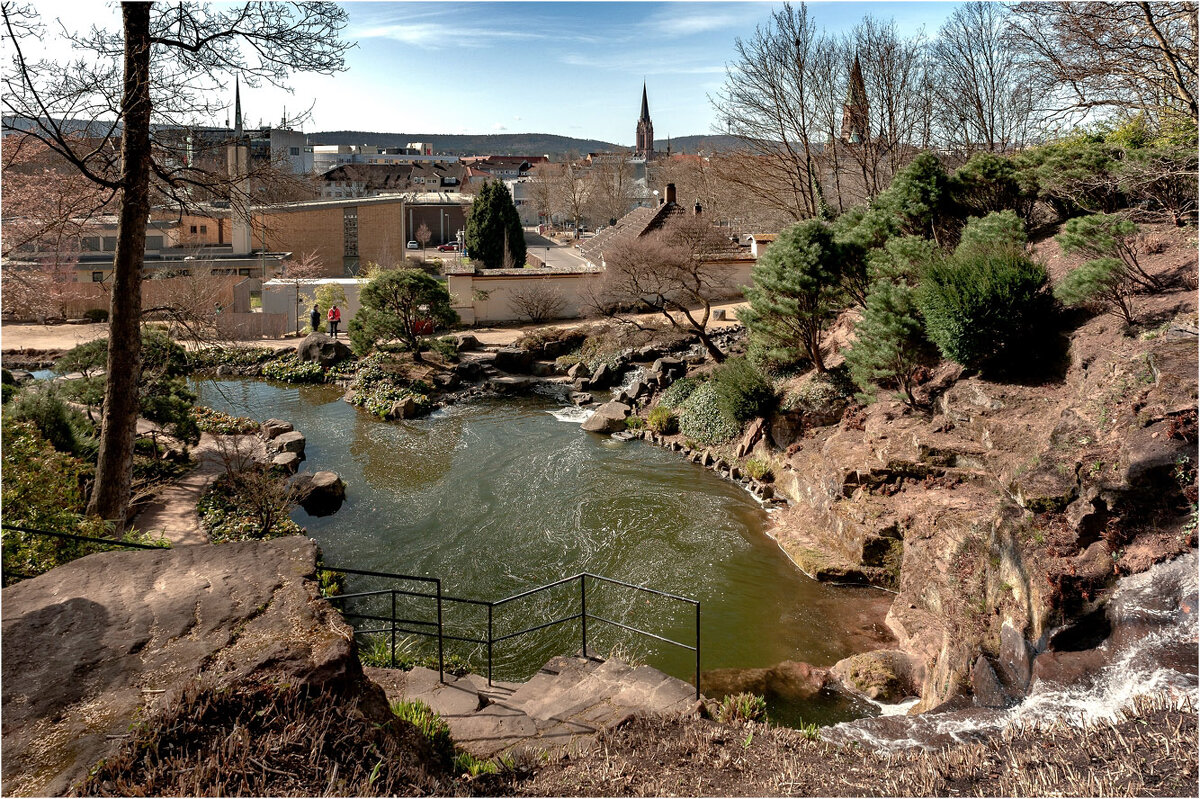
[(632, 376), (1163, 660), (572, 413)]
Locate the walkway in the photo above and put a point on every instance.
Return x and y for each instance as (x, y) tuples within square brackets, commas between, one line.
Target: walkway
[(568, 701)]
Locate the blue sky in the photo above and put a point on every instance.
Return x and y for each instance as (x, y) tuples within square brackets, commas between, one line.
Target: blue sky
[(573, 69)]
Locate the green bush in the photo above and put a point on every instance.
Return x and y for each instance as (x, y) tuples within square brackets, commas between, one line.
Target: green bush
[(919, 197), (212, 357), (377, 390), (446, 346), (999, 230), (218, 423), (701, 418), (901, 260), (662, 421), (634, 422), (986, 311), (889, 341), (742, 391), (430, 725), (741, 708), (65, 428), (1108, 236), (1102, 282), (820, 391), (96, 314), (246, 505), (990, 182), (678, 392), (290, 369), (758, 469)]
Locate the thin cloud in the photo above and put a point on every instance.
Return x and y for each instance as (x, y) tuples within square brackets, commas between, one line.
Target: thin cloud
[(499, 126), (437, 35)]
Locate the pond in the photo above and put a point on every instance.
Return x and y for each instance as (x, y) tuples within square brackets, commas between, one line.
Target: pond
[(496, 497)]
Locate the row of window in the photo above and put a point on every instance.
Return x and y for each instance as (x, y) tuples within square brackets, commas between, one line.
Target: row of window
[(98, 277), (109, 243)]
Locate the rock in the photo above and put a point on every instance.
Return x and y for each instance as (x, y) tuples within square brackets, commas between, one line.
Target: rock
[(603, 377), (986, 685), (624, 397), (639, 389), (289, 442), (349, 396), (1016, 666), (469, 370), (581, 384), (514, 360), (581, 398), (320, 348), (20, 376), (86, 656), (884, 675), (671, 367), (608, 418), (789, 680), (649, 352), (578, 370), (1087, 518), (467, 342), (512, 384), (320, 493), (753, 434), (273, 428), (447, 381), (544, 369), (403, 409), (287, 461), (785, 427)]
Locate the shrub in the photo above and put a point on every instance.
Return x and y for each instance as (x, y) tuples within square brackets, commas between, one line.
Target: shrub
[(446, 346), (741, 708), (430, 725), (634, 422), (378, 390), (218, 423), (678, 392), (818, 392), (65, 428), (701, 418), (999, 230), (395, 305), (96, 314), (990, 182), (901, 259), (249, 501), (890, 343), (742, 391), (212, 357), (1103, 282), (288, 368), (919, 197), (758, 469), (662, 421), (986, 310), (1108, 236)]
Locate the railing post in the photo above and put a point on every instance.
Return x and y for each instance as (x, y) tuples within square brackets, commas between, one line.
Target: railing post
[(583, 612), (697, 651), (441, 639), (392, 659), (489, 607)]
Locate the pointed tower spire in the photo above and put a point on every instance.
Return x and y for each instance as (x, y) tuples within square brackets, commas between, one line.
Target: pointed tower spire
[(645, 129), (856, 111), (237, 108), (645, 117)]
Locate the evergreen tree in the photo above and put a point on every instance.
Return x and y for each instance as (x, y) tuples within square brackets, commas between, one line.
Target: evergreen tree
[(796, 290), (999, 230), (890, 343), (919, 196), (394, 304), (494, 221)]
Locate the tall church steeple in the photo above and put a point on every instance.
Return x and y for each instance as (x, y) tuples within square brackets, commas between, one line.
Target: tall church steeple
[(855, 112), (237, 108), (645, 129), (238, 165)]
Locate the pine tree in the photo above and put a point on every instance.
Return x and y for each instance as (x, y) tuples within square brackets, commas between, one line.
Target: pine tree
[(890, 343), (796, 291), (493, 221)]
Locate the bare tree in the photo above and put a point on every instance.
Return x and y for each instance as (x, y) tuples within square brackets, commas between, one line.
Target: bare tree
[(569, 189), (168, 62), (1111, 56), (609, 194), (673, 271), (538, 302), (985, 95), (423, 234)]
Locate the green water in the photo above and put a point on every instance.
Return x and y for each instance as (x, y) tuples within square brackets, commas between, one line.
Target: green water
[(497, 497)]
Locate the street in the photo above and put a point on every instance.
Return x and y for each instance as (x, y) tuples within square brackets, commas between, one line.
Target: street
[(556, 255)]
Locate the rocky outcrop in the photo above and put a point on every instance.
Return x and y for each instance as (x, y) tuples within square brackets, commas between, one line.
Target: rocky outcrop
[(86, 656), (273, 428), (608, 418), (885, 675), (288, 442), (320, 348), (514, 360)]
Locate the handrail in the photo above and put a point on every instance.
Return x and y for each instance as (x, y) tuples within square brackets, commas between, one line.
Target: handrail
[(109, 541)]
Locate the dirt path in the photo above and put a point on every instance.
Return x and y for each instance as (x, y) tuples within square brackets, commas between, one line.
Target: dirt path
[(172, 514)]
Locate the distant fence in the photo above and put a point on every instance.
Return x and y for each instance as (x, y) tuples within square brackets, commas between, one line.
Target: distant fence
[(245, 326), (81, 297)]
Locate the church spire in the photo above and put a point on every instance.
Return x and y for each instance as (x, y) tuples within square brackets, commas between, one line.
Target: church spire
[(237, 108), (856, 111), (645, 129), (645, 117)]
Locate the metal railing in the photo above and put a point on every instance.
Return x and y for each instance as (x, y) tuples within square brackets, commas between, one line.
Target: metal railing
[(396, 622), (400, 623)]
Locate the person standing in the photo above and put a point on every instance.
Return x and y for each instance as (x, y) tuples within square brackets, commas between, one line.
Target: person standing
[(335, 316), (314, 318)]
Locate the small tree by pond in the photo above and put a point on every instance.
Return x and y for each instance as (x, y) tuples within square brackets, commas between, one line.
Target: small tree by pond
[(402, 304)]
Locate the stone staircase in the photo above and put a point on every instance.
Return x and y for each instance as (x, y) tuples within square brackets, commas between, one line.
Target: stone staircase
[(569, 700)]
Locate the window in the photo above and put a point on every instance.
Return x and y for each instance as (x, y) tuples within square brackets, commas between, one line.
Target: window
[(244, 272), (97, 277), (293, 151), (193, 230), (110, 243), (91, 243), (350, 231), (154, 242), (204, 228)]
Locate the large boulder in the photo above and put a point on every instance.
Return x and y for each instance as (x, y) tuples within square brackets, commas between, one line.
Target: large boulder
[(289, 442), (320, 348), (885, 675), (608, 418), (273, 428), (286, 461), (578, 370), (602, 377), (672, 368), (790, 679), (514, 360), (87, 656), (320, 493)]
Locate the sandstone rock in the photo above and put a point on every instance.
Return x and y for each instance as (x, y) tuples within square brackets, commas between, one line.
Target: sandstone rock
[(512, 384), (986, 685), (608, 418), (469, 370), (578, 370), (648, 353), (320, 493), (287, 461), (514, 360), (786, 427), (467, 342), (603, 377), (403, 409), (320, 348), (1016, 666), (581, 398), (581, 384), (273, 428), (289, 442), (671, 367), (790, 679), (86, 656), (544, 369), (349, 396), (754, 434), (884, 675), (623, 396), (638, 390)]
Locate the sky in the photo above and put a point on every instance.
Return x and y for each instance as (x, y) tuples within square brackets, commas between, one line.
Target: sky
[(572, 69)]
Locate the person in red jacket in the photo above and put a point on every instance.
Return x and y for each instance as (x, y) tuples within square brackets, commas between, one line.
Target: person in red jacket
[(335, 316)]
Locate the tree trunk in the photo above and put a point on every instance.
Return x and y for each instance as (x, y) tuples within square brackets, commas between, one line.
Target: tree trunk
[(714, 351), (114, 470)]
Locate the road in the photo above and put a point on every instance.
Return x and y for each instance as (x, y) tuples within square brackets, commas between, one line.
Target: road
[(557, 255)]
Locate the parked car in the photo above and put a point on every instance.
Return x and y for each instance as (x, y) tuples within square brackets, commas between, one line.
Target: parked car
[(449, 247), (412, 245)]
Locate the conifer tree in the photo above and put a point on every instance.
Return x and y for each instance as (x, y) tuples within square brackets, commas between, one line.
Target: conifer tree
[(890, 343), (493, 221), (797, 290)]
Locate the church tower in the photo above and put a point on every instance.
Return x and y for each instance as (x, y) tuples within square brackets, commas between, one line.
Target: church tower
[(855, 113), (645, 129), (237, 162)]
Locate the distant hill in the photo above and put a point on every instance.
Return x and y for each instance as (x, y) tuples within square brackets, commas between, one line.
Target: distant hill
[(698, 145), (472, 144)]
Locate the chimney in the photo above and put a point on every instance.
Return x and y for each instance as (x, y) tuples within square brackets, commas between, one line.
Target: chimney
[(697, 209), (669, 194)]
